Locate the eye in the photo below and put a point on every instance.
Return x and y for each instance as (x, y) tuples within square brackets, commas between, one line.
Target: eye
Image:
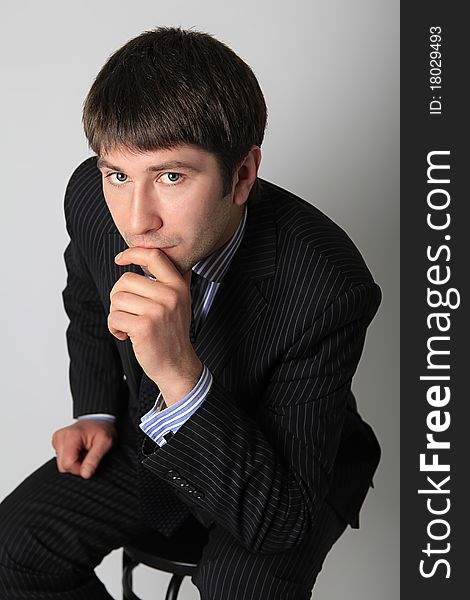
[(120, 178), (172, 178)]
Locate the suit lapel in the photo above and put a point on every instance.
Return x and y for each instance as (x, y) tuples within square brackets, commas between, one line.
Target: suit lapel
[(239, 303)]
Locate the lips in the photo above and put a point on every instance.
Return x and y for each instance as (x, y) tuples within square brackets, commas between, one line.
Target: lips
[(153, 247)]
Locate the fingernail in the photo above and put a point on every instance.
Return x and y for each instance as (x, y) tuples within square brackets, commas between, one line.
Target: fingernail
[(117, 256), (87, 471)]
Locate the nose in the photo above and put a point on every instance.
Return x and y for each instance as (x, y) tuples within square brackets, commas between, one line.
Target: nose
[(144, 212)]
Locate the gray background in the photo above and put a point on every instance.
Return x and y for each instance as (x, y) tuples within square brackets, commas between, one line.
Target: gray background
[(329, 72)]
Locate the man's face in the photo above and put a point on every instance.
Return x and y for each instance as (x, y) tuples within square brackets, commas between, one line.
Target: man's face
[(169, 199)]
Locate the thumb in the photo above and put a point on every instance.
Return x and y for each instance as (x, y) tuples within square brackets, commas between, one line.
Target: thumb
[(93, 457)]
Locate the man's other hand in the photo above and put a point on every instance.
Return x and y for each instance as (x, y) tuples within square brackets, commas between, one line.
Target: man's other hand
[(81, 446)]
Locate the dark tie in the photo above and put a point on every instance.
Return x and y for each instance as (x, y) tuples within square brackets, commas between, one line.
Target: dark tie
[(160, 506)]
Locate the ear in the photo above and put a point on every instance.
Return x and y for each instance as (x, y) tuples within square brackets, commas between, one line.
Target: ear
[(245, 176)]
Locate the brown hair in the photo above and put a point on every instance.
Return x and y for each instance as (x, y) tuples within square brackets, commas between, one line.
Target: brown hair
[(170, 86)]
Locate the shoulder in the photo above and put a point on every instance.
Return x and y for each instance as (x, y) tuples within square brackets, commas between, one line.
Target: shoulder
[(85, 179), (314, 254), (84, 202)]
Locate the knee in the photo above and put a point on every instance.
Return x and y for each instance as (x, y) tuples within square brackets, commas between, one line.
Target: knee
[(26, 544), (9, 532), (19, 546), (15, 544), (251, 579), (229, 571)]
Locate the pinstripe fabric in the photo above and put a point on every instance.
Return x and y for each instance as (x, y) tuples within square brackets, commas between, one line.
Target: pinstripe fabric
[(53, 531), (103, 416), (229, 571), (57, 527), (278, 443), (168, 513)]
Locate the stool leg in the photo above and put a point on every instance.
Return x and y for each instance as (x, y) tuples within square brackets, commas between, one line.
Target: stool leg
[(173, 588), (128, 565)]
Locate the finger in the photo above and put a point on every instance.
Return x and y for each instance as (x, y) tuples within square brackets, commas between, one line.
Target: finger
[(134, 304), (138, 285), (101, 445), (154, 260), (58, 443), (137, 295), (122, 324), (68, 459)]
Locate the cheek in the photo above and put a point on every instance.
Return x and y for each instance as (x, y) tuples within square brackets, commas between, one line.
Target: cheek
[(192, 217), (111, 203), (192, 226)]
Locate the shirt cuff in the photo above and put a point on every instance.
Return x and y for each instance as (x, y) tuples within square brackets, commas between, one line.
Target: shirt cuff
[(103, 416), (159, 422)]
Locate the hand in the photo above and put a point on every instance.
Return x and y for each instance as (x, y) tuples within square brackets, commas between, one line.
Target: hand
[(81, 446), (156, 316)]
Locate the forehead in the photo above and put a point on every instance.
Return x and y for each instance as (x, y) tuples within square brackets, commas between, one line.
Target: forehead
[(184, 156)]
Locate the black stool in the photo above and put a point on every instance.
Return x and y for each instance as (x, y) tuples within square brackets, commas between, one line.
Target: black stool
[(178, 554)]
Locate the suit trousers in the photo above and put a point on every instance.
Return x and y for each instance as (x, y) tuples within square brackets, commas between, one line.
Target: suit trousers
[(55, 528)]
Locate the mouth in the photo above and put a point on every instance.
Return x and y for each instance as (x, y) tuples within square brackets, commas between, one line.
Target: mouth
[(151, 247)]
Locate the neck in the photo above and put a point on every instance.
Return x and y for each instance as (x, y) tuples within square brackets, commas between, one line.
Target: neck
[(232, 226)]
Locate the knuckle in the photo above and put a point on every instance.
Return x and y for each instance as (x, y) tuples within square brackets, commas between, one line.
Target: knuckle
[(173, 299), (113, 325), (158, 313), (145, 323), (65, 434), (57, 437), (113, 297)]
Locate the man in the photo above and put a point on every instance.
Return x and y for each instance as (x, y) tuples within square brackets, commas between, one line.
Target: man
[(216, 322)]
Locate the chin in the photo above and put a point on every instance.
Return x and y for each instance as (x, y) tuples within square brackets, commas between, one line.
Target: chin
[(179, 263), (183, 264)]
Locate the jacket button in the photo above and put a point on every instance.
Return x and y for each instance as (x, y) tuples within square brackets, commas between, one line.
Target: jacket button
[(198, 495)]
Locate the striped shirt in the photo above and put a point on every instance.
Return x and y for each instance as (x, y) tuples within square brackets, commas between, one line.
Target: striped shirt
[(159, 421)]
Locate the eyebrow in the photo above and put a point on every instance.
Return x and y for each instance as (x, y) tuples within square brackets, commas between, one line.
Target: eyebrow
[(171, 164)]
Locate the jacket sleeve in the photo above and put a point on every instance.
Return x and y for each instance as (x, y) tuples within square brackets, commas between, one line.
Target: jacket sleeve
[(95, 373), (264, 478)]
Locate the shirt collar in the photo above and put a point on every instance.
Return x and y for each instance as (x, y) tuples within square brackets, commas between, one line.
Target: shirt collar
[(214, 266)]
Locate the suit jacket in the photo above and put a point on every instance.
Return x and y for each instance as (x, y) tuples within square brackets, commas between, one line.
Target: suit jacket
[(279, 432)]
